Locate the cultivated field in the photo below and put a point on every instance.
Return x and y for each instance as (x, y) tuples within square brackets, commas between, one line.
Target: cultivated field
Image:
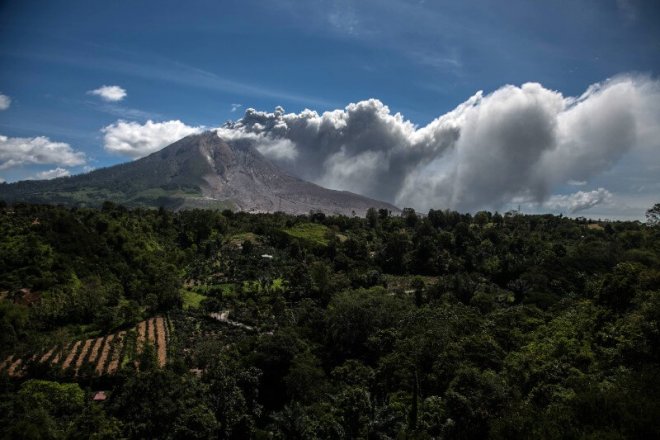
[(103, 355)]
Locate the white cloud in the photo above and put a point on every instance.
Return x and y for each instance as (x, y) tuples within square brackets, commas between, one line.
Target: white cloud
[(37, 151), (5, 102), (138, 140), (109, 93), (125, 112), (514, 143), (235, 107), (51, 174), (579, 201)]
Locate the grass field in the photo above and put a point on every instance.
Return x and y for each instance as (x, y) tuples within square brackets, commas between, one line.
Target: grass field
[(191, 300), (312, 232)]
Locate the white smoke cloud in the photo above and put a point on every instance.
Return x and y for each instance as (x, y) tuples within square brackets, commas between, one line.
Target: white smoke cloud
[(51, 174), (5, 102), (515, 143), (37, 151), (109, 93), (137, 140), (579, 201)]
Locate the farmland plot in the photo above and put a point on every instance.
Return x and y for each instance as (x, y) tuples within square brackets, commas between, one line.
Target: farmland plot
[(106, 354)]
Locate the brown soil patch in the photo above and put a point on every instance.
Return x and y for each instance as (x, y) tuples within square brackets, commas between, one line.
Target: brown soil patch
[(72, 354), (114, 364), (6, 362), (14, 369), (161, 341), (83, 354), (152, 331), (95, 350), (58, 356), (47, 355), (104, 354)]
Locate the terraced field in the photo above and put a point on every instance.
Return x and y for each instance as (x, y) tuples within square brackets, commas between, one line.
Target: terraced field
[(105, 354)]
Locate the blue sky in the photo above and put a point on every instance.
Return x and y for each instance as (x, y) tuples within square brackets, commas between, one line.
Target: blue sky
[(196, 61)]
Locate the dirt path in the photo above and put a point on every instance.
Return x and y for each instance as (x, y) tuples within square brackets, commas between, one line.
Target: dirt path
[(162, 341), (72, 354), (224, 317), (116, 353), (95, 350), (104, 354)]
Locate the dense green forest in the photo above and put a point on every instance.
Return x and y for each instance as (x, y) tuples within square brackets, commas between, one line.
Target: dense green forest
[(442, 325)]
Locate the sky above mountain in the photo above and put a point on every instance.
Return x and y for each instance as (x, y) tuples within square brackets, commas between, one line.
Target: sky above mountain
[(550, 105)]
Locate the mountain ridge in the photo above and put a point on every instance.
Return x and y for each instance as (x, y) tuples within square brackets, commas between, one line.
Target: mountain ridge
[(197, 171)]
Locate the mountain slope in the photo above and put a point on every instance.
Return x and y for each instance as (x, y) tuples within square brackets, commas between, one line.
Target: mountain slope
[(201, 171)]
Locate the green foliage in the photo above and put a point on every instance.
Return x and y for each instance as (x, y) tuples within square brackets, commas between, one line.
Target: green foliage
[(312, 232), (191, 300), (447, 326), (160, 404)]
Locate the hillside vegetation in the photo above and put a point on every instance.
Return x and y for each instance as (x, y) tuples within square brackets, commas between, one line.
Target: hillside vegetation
[(234, 325)]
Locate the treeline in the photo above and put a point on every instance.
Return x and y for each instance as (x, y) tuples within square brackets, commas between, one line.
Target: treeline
[(443, 325)]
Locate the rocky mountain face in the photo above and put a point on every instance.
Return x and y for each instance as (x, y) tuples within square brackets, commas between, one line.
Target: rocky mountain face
[(198, 171)]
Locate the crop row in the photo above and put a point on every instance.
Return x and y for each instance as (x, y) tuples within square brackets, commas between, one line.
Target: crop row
[(101, 356)]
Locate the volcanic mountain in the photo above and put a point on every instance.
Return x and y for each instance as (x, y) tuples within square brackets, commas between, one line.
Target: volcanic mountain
[(198, 171)]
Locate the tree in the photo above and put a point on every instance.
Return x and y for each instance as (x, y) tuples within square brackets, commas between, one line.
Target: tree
[(372, 217), (44, 410), (157, 403), (653, 215)]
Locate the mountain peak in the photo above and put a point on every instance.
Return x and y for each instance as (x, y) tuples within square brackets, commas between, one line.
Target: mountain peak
[(198, 171)]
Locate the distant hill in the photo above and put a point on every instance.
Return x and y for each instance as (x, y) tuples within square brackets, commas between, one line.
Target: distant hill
[(198, 171)]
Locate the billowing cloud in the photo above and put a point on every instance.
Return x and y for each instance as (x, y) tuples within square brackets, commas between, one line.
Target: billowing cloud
[(5, 102), (137, 140), (579, 201), (516, 143), (109, 93), (51, 174), (37, 151)]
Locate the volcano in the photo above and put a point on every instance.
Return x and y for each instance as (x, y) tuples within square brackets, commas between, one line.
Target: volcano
[(198, 171)]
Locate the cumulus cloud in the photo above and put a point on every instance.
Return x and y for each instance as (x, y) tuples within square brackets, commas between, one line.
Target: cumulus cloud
[(578, 201), (109, 93), (137, 140), (37, 151), (51, 174), (518, 142), (5, 102)]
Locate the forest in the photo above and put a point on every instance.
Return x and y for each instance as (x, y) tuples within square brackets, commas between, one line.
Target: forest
[(217, 324)]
